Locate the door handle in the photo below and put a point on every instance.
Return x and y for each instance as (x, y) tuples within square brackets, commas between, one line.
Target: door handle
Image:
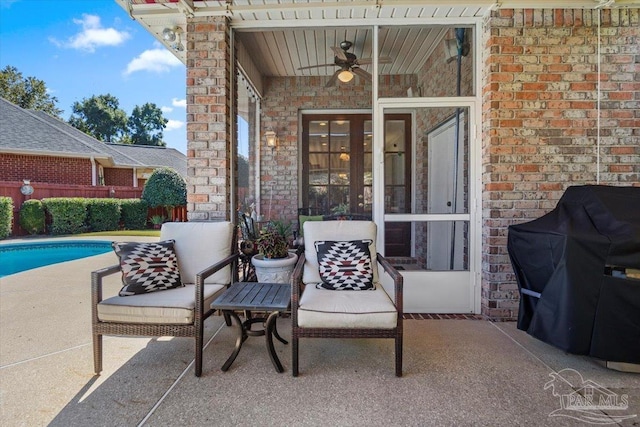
[(449, 204)]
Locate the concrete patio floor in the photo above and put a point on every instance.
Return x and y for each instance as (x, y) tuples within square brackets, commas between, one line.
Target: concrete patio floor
[(456, 372)]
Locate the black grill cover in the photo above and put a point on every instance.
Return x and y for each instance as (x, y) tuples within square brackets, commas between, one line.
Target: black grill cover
[(573, 267)]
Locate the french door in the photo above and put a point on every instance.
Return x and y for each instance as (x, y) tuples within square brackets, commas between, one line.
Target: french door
[(336, 164), (337, 170)]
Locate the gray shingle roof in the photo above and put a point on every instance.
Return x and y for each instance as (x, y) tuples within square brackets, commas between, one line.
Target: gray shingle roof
[(23, 131), (29, 131)]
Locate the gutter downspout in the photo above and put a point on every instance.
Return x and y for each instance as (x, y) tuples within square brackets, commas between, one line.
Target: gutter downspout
[(460, 33)]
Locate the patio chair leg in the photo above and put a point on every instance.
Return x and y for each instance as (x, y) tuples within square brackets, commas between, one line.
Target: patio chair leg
[(294, 355), (97, 353), (199, 344), (399, 356)]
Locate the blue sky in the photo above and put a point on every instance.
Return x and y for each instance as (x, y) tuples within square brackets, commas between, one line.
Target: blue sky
[(81, 48)]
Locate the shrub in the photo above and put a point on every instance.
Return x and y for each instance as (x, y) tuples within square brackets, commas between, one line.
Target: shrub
[(68, 214), (166, 188), (32, 216), (6, 216), (133, 214), (103, 214)]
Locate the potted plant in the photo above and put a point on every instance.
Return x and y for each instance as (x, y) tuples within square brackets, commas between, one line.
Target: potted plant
[(157, 221), (274, 263)]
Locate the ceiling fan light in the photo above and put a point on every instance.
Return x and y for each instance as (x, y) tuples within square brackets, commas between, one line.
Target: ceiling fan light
[(345, 76)]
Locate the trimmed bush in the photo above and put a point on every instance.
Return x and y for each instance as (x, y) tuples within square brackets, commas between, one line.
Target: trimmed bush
[(68, 214), (32, 217), (133, 214), (6, 216), (103, 214), (166, 188)]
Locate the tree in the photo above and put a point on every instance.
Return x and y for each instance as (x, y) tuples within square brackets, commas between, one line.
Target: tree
[(146, 124), (28, 93), (166, 188), (100, 117)]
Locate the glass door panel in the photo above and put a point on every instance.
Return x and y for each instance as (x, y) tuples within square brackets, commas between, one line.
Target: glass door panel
[(336, 164)]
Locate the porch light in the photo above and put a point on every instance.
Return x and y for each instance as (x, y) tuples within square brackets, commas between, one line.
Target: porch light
[(174, 37), (271, 138), (345, 76)]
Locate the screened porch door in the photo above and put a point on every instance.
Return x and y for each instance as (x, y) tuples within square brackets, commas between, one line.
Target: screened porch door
[(440, 269)]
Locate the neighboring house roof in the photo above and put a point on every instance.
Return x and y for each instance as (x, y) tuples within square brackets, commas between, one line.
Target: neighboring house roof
[(37, 133)]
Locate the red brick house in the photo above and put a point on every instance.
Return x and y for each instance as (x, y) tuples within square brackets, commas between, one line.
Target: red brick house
[(454, 120), (60, 161)]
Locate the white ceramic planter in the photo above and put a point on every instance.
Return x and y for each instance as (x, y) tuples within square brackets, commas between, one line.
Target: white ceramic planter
[(274, 270)]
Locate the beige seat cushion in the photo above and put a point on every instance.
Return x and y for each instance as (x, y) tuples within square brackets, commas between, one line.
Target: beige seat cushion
[(172, 306), (336, 231), (323, 308), (199, 245)]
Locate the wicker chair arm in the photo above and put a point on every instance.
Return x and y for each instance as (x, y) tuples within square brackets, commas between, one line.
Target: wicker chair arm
[(296, 285), (201, 276), (397, 278), (96, 281)]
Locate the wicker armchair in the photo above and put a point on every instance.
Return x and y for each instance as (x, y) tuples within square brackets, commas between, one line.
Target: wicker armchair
[(323, 313), (207, 261)]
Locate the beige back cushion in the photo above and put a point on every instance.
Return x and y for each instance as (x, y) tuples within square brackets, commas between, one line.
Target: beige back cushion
[(199, 245), (337, 231)]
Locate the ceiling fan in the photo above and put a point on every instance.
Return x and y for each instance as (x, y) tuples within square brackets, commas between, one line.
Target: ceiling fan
[(349, 64)]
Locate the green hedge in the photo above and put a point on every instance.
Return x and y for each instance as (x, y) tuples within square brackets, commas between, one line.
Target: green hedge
[(103, 214), (133, 214), (68, 214), (32, 216), (6, 216)]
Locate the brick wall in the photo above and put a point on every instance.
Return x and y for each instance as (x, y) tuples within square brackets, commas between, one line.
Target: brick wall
[(208, 118), (116, 176), (54, 170), (540, 121), (284, 98)]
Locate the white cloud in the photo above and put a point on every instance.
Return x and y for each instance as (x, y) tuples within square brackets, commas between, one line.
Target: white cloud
[(155, 60), (181, 103), (175, 102), (173, 125), (93, 35)]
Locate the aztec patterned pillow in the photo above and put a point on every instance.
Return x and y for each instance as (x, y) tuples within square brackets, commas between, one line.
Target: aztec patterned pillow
[(345, 266), (147, 267)]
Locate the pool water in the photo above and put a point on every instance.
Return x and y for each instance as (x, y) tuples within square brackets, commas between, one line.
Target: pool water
[(17, 257)]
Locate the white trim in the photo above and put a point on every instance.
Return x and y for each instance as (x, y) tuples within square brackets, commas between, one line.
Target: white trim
[(275, 25), (94, 178), (426, 217)]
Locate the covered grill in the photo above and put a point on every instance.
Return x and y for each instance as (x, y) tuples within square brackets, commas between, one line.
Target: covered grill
[(578, 271)]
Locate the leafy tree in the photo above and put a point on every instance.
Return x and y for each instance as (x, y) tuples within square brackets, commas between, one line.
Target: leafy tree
[(146, 124), (243, 171), (165, 187), (29, 92), (100, 117)]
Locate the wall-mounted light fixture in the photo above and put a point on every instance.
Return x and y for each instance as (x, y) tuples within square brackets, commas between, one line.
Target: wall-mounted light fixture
[(173, 36), (345, 76), (271, 139), (26, 188)]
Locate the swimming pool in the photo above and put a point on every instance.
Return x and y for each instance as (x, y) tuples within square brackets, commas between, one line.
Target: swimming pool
[(17, 257)]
